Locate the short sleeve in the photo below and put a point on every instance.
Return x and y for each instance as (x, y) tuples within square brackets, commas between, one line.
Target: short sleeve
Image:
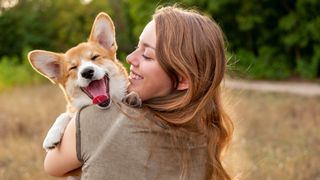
[(91, 125)]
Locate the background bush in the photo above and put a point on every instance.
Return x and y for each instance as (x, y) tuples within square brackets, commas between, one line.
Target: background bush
[(17, 72), (267, 39)]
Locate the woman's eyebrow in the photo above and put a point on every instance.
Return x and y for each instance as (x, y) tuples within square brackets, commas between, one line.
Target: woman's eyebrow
[(148, 46)]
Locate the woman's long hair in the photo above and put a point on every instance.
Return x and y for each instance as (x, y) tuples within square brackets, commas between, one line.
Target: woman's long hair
[(191, 45)]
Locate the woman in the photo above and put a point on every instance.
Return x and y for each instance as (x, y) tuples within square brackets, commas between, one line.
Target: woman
[(181, 129)]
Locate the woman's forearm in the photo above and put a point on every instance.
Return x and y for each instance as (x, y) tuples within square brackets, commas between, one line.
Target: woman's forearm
[(63, 158)]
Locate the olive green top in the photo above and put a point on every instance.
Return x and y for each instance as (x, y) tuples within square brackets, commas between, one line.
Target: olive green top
[(123, 143)]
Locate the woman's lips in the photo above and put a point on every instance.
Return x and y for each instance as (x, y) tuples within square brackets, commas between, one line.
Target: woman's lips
[(134, 76)]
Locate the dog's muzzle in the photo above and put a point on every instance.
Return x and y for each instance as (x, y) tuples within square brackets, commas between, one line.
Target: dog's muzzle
[(97, 90)]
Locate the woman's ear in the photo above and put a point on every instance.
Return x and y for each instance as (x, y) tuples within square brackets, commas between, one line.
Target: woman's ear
[(183, 84)]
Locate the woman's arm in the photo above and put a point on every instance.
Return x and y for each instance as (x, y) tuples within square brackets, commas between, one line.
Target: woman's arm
[(62, 159)]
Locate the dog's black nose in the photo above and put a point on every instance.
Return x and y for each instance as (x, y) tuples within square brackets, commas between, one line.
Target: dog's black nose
[(87, 73)]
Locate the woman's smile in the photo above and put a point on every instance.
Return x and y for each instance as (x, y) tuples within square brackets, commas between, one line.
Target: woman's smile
[(134, 76)]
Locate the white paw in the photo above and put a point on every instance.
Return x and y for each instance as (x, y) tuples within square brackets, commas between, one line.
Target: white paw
[(55, 133), (52, 139)]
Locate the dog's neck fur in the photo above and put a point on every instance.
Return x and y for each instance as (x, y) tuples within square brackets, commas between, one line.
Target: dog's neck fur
[(69, 107)]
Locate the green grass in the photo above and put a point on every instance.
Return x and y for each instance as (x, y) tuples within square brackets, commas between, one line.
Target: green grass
[(17, 72)]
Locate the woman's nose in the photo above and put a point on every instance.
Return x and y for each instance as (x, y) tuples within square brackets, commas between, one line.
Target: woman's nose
[(132, 59)]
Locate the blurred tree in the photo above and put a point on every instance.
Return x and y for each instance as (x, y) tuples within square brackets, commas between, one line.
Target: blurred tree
[(272, 39), (300, 36), (46, 24), (123, 24)]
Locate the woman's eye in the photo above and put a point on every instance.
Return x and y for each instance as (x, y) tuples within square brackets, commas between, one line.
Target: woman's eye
[(94, 57), (146, 57), (72, 68)]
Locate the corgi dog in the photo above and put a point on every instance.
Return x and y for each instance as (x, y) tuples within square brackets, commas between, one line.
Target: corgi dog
[(88, 73)]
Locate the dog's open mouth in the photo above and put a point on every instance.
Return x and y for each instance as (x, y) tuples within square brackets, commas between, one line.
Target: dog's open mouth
[(98, 91)]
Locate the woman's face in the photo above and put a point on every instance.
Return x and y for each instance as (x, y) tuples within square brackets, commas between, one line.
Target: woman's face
[(146, 77)]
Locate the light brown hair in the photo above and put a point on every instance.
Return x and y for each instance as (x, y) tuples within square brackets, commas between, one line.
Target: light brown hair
[(191, 45)]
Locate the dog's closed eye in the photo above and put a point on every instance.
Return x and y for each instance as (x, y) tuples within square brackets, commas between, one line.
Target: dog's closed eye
[(72, 68), (93, 58)]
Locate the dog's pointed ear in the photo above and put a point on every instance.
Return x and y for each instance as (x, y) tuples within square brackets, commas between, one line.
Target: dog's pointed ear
[(103, 32), (46, 63)]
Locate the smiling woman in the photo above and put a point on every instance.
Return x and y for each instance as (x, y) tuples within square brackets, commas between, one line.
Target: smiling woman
[(181, 128), (145, 69)]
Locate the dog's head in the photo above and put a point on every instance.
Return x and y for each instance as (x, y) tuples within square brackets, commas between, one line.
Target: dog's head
[(88, 73)]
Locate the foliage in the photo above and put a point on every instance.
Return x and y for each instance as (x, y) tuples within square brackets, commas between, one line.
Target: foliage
[(267, 39), (37, 24), (279, 37), (308, 69), (15, 73), (265, 66)]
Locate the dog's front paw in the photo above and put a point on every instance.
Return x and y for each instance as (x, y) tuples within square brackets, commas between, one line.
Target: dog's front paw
[(52, 139), (55, 133), (132, 99)]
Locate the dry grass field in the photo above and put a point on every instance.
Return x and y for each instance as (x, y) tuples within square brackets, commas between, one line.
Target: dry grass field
[(25, 116), (277, 136)]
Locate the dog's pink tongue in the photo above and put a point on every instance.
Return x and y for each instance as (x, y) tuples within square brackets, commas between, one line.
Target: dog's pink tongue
[(98, 91), (100, 99)]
